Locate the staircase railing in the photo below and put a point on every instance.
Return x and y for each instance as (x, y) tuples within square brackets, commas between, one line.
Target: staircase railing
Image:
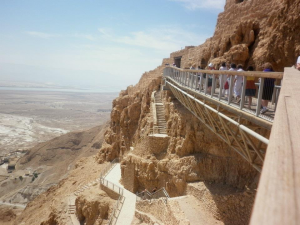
[(115, 188), (146, 195), (108, 167)]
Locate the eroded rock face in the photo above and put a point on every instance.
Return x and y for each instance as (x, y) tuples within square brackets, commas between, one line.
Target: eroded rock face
[(248, 32), (251, 32), (193, 153), (129, 116), (94, 208)]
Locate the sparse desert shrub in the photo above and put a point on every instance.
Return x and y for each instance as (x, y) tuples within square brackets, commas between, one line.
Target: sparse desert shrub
[(21, 178)]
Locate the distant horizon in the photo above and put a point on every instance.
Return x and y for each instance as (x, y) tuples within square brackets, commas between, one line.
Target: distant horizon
[(91, 44), (61, 89)]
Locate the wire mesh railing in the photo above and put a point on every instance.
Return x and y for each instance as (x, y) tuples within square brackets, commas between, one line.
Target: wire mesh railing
[(253, 92)]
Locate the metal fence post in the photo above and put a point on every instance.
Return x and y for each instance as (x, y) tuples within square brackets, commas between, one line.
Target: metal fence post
[(243, 92), (260, 92), (231, 82)]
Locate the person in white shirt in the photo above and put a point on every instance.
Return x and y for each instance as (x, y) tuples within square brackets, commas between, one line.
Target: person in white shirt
[(232, 68), (238, 84), (222, 78), (209, 77)]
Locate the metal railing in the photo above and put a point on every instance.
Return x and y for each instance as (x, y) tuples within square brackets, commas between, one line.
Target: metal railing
[(232, 88), (247, 141), (115, 188), (157, 127), (108, 167), (146, 195)]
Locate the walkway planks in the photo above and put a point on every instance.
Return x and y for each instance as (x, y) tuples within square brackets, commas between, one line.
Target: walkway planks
[(278, 197)]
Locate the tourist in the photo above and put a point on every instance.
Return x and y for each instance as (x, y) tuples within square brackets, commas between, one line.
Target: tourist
[(199, 76), (227, 84), (267, 88), (250, 87), (238, 83), (209, 78), (222, 79)]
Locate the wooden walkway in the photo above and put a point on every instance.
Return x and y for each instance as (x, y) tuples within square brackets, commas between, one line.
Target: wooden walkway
[(278, 197)]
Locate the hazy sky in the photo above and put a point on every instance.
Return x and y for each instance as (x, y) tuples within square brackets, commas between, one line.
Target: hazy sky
[(97, 43)]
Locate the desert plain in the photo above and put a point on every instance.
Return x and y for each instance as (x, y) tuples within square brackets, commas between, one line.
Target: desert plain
[(31, 117)]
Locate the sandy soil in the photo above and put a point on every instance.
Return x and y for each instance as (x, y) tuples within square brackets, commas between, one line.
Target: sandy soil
[(8, 214)]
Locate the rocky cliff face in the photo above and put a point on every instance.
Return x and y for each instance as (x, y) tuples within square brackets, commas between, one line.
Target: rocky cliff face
[(191, 153), (251, 32), (129, 116), (247, 32)]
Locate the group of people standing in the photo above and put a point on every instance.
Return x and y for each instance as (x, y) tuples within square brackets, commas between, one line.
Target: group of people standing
[(250, 92)]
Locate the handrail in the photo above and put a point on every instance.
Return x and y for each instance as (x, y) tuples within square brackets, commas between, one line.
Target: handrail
[(240, 126), (215, 91), (259, 74), (109, 184), (108, 167), (278, 195), (236, 135), (155, 195), (154, 108)]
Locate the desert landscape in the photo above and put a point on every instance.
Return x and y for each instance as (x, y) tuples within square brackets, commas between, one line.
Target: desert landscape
[(143, 156), (28, 118), (31, 117)]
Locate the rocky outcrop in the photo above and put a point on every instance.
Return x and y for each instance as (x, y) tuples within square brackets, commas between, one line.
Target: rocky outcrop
[(247, 32), (193, 153), (129, 116), (250, 32), (94, 208)]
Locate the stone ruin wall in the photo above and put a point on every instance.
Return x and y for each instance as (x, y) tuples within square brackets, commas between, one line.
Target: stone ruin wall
[(251, 32)]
